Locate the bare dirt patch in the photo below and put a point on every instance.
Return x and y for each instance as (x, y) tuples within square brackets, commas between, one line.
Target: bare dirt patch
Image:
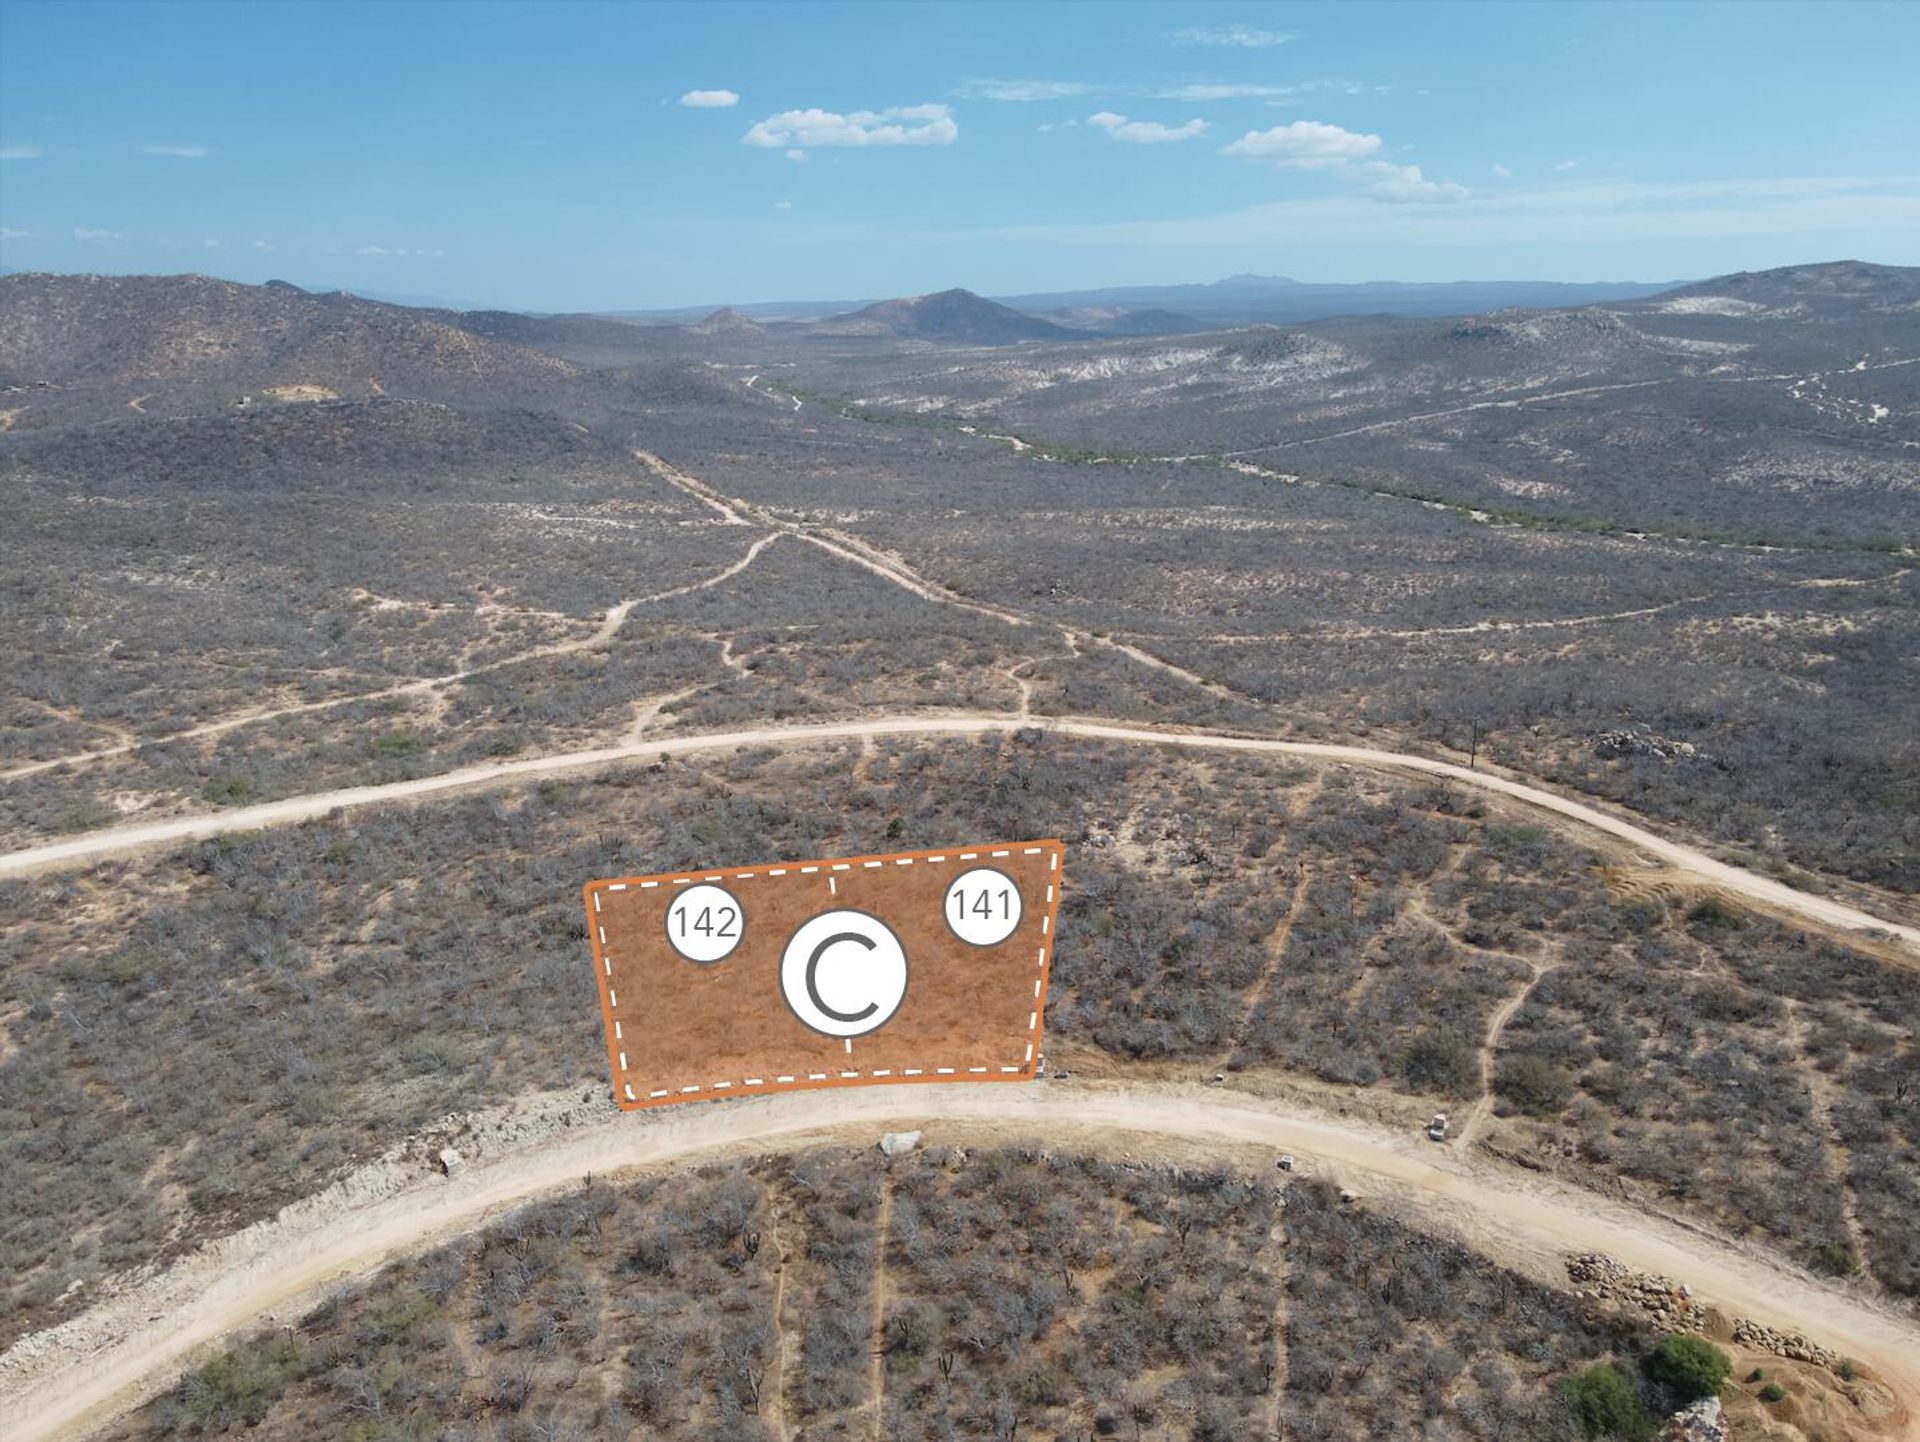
[(680, 1029)]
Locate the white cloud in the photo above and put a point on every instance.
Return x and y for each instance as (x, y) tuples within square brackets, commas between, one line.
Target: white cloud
[(1023, 89), (783, 205), (6, 234), (709, 99), (211, 244), (1200, 94), (902, 125), (798, 157), (263, 245), (94, 237), (1305, 145), (395, 251), (1501, 172), (1145, 132), (1843, 212), (21, 152), (1565, 164), (1315, 145), (1405, 183), (1240, 37), (178, 152)]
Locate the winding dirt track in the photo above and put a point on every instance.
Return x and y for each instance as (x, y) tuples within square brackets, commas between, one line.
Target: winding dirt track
[(1759, 891), (610, 623), (115, 1361)]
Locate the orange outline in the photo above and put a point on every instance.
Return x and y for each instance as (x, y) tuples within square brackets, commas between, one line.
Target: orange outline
[(981, 853)]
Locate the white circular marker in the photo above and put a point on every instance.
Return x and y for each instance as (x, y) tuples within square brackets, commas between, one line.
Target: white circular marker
[(705, 923), (982, 906), (844, 973)]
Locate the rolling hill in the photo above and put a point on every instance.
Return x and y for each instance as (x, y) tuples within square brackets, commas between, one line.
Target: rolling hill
[(954, 317)]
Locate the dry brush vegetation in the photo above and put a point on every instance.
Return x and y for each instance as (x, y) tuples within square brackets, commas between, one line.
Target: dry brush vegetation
[(1026, 1294), (463, 561), (195, 1039)]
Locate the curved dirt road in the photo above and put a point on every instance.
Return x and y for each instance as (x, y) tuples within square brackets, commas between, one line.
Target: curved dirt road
[(1760, 891), (110, 1364)]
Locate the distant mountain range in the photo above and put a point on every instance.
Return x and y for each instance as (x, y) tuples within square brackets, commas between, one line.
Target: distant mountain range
[(85, 333), (1237, 300), (948, 317), (1848, 284), (1278, 300)]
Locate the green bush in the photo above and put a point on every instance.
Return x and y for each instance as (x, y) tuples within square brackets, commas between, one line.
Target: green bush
[(1043, 1385), (398, 743), (1773, 1392), (228, 790), (1440, 1061), (401, 1315), (1716, 913), (1534, 1084), (1836, 1259), (1688, 1367), (243, 1383), (1603, 1402), (911, 1332)]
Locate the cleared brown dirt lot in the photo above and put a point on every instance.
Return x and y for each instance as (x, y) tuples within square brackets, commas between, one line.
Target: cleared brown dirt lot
[(681, 1031)]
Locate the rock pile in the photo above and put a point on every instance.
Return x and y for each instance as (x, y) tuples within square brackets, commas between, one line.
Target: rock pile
[(1701, 1422), (1640, 742), (1673, 1308), (1794, 1346), (1669, 1303)]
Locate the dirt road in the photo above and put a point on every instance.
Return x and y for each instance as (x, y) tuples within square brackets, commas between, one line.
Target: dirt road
[(85, 1374), (610, 623), (1759, 891)]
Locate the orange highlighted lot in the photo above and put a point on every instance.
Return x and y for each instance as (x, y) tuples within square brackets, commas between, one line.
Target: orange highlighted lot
[(915, 966)]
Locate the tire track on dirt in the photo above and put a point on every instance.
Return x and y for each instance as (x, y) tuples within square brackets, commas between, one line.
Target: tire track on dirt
[(610, 623)]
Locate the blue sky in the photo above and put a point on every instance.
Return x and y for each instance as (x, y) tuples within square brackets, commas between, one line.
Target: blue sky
[(559, 157)]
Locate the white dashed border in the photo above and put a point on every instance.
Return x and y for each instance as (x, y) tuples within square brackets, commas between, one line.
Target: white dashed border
[(802, 1081)]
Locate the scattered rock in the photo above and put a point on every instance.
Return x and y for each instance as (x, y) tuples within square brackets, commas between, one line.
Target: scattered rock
[(1670, 1304), (896, 1144), (1792, 1345), (1700, 1422), (449, 1161), (1638, 741)]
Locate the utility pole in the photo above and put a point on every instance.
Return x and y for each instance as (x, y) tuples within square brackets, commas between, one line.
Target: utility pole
[(1473, 747)]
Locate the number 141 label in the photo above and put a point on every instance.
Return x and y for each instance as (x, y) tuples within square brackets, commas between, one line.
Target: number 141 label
[(983, 906)]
